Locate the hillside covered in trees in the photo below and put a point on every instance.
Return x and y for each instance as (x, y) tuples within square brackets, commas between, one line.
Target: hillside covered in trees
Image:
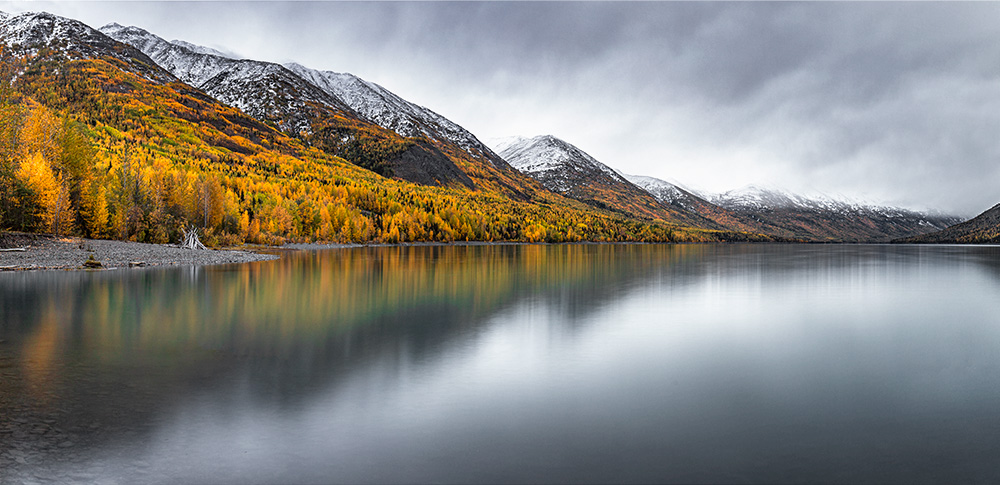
[(97, 140)]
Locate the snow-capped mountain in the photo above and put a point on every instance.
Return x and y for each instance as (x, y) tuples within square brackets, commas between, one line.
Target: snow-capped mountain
[(202, 49), (350, 117), (757, 198), (753, 197), (564, 168), (666, 192), (386, 109), (982, 229), (827, 217), (338, 113), (267, 91), (554, 162), (28, 33)]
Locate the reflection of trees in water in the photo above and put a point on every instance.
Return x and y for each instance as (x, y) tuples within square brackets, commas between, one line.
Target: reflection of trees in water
[(104, 356), (115, 350), (989, 258)]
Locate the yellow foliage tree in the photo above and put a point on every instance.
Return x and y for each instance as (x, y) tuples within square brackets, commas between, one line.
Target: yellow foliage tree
[(37, 175)]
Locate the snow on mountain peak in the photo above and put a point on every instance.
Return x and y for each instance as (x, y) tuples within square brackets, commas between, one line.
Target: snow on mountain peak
[(386, 109), (503, 143), (200, 49), (261, 89), (546, 153), (662, 190), (34, 30), (232, 81), (192, 67)]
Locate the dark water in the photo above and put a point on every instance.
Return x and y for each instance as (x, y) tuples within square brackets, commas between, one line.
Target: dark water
[(589, 363)]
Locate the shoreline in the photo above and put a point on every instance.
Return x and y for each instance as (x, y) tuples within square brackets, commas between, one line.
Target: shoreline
[(46, 252)]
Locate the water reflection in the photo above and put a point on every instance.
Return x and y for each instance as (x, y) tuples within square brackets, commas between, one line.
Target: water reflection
[(730, 363)]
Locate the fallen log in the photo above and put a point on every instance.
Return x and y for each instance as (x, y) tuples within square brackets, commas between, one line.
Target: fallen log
[(190, 239)]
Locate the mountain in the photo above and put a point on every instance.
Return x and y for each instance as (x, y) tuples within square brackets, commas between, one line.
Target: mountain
[(982, 229), (41, 34), (564, 168), (386, 109), (275, 95), (98, 140), (201, 49), (828, 219), (666, 192), (567, 170), (674, 195), (341, 114)]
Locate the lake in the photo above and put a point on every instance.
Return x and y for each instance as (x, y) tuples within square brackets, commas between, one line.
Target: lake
[(510, 363)]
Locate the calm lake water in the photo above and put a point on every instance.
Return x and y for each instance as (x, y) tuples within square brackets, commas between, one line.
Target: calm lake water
[(577, 363)]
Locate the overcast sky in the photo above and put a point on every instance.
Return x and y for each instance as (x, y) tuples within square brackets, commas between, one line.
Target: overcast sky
[(896, 103)]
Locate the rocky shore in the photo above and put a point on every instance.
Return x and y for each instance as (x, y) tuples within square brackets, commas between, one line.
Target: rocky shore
[(19, 251)]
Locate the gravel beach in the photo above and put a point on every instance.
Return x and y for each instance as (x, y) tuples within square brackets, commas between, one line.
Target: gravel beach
[(44, 252)]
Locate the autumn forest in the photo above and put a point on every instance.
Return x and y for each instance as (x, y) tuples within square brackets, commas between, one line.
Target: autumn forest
[(112, 147)]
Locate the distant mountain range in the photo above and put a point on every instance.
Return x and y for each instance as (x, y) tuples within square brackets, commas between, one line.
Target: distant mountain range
[(982, 229), (371, 127), (566, 169)]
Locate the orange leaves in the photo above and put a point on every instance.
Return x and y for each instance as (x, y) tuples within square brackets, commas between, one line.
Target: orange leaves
[(166, 156), (51, 194)]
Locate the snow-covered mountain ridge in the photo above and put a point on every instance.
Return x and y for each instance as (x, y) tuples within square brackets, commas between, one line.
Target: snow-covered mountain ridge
[(386, 109), (198, 65), (561, 167), (202, 49), (663, 190), (547, 156), (329, 108), (758, 198), (264, 90), (564, 168), (27, 34)]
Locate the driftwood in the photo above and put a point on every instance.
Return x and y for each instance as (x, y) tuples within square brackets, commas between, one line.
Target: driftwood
[(190, 239), (13, 249)]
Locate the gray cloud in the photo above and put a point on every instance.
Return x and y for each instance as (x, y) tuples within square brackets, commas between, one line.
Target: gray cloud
[(895, 102)]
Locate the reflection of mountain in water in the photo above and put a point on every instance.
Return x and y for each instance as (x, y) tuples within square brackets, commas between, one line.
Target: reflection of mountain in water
[(103, 356), (325, 361)]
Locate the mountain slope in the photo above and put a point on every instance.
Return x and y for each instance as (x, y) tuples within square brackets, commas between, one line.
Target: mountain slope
[(33, 34), (826, 219), (273, 94), (339, 114), (567, 170), (982, 229), (386, 109), (683, 199), (382, 107), (142, 155)]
